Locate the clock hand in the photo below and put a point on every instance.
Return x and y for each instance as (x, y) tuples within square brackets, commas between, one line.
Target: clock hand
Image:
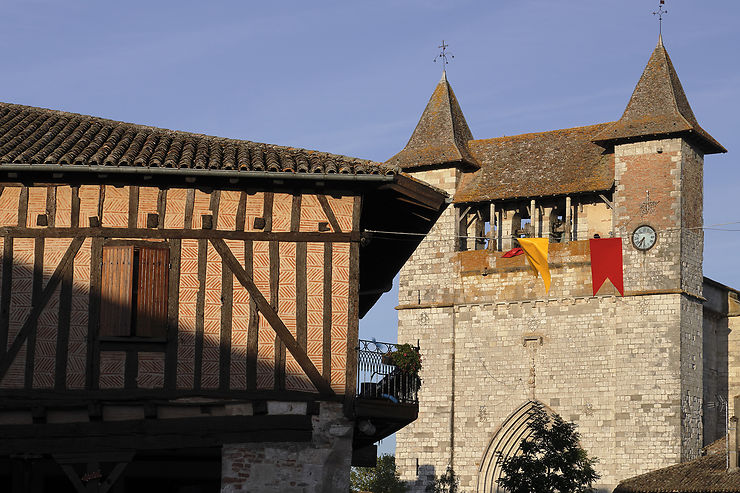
[(642, 242)]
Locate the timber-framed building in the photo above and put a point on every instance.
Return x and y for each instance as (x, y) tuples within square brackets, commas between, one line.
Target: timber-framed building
[(179, 312)]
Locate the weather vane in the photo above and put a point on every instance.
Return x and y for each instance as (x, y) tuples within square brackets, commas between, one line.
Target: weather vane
[(660, 13), (443, 54)]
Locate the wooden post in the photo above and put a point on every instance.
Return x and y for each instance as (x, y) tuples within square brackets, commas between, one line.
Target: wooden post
[(492, 222), (533, 217), (568, 220)]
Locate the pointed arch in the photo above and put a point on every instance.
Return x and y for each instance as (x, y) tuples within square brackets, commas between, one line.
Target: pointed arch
[(504, 444)]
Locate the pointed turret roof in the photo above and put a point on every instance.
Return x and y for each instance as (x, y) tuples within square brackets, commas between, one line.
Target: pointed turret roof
[(441, 136), (658, 106)]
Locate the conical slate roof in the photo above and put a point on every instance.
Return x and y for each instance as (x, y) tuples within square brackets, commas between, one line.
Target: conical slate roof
[(441, 136), (658, 106)]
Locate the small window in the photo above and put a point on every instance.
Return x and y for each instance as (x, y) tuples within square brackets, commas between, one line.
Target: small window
[(134, 291)]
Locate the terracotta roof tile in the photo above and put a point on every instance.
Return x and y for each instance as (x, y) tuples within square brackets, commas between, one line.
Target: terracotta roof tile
[(659, 106), (538, 164), (31, 135)]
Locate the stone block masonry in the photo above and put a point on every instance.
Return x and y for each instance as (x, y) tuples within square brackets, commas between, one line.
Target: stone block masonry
[(627, 370), (319, 466)]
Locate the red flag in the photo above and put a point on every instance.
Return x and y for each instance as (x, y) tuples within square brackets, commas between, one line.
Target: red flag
[(513, 253), (606, 263)]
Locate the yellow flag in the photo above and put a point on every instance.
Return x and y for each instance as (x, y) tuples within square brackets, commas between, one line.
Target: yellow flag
[(536, 251)]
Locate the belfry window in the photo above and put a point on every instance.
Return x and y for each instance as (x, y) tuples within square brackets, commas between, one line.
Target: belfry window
[(134, 290)]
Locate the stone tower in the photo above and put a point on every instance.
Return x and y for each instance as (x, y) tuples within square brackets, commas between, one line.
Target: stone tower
[(627, 369)]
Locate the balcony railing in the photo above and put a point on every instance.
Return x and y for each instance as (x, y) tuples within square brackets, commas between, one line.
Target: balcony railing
[(379, 378)]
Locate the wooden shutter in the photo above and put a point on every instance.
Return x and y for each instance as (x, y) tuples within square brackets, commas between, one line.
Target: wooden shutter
[(116, 291), (151, 304)]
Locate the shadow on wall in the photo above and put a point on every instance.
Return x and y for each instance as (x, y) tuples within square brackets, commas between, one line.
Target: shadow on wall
[(210, 355)]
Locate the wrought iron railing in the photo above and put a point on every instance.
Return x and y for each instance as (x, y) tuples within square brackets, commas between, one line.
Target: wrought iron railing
[(379, 378)]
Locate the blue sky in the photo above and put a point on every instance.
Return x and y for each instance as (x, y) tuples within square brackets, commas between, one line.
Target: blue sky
[(353, 77)]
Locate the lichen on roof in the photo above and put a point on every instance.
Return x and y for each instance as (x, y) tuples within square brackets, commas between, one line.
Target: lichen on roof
[(557, 162), (659, 106), (441, 136)]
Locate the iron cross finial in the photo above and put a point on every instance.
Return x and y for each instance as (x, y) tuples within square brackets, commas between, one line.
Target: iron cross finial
[(443, 54), (660, 13)]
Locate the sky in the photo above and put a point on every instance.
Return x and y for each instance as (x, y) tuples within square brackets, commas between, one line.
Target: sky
[(353, 77)]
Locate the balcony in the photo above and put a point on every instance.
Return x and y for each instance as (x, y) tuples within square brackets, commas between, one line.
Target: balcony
[(387, 397)]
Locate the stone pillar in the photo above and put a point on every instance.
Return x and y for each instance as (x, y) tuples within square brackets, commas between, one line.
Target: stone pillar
[(321, 465), (732, 445)]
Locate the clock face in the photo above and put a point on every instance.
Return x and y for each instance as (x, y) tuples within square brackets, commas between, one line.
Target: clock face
[(644, 237)]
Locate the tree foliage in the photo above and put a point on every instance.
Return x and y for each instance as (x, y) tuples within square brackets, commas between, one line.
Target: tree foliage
[(446, 483), (383, 478), (551, 460)]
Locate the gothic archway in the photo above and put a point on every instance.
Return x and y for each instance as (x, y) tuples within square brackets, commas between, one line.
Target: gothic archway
[(505, 443)]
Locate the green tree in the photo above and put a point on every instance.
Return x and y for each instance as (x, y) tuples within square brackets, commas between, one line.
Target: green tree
[(383, 478), (446, 483), (551, 460)]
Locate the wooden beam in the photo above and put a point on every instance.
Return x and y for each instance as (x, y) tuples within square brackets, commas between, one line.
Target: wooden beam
[(69, 470), (173, 315), (130, 369), (153, 434), (608, 202), (253, 329), (329, 213), (194, 234), (327, 313), (109, 481), (133, 206), (189, 206), (227, 302), (36, 310), (273, 318), (92, 373), (74, 219), (241, 212), (214, 205), (64, 319), (101, 202), (161, 206), (274, 259), (6, 293), (38, 280), (353, 315), (568, 219), (200, 305), (24, 400), (51, 205), (23, 207), (301, 276)]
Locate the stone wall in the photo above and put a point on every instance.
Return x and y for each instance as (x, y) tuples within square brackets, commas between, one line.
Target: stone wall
[(318, 466), (607, 363), (628, 370)]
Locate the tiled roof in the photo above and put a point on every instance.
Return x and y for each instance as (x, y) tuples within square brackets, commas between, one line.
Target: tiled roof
[(538, 164), (707, 474), (31, 135), (659, 106), (441, 135)]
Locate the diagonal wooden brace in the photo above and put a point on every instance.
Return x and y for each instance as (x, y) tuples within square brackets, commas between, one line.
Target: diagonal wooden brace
[(329, 213), (36, 310), (272, 318)]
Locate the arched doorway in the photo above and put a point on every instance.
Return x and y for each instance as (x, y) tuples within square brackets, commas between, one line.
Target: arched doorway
[(505, 443)]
